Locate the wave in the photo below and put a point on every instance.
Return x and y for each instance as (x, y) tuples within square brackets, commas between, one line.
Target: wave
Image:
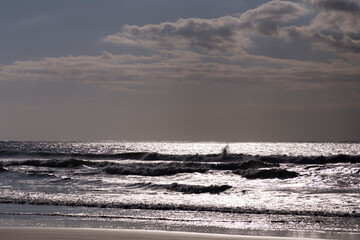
[(167, 169), (163, 168), (183, 188), (243, 165), (145, 156), (196, 189), (160, 169), (81, 215), (175, 207), (40, 174), (267, 173), (250, 167), (54, 163), (311, 160), (222, 157)]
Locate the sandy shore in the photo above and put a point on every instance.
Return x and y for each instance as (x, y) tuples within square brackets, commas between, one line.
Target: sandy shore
[(22, 233)]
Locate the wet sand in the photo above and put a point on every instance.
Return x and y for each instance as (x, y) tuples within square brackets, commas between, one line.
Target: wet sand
[(22, 233)]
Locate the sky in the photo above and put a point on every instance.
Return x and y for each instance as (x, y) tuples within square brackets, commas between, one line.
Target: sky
[(180, 70)]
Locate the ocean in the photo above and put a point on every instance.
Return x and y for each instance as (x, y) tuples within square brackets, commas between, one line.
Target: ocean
[(305, 189)]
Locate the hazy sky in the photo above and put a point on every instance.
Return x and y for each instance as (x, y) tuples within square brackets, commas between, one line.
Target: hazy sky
[(234, 70)]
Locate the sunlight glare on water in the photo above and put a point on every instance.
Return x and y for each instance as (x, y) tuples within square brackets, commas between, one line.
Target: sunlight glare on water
[(114, 176), (250, 148)]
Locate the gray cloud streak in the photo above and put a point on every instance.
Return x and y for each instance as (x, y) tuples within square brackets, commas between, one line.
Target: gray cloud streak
[(129, 72)]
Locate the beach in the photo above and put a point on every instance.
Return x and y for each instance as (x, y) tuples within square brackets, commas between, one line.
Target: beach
[(14, 233), (180, 120)]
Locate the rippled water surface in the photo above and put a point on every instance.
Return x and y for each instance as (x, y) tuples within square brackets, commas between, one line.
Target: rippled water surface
[(209, 186)]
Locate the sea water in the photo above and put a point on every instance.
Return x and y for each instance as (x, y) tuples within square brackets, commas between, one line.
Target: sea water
[(283, 189)]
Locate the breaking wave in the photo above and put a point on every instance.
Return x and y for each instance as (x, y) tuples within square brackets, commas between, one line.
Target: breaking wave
[(212, 189), (175, 207), (153, 170), (54, 163), (183, 188), (172, 168), (145, 168), (103, 216), (247, 166), (150, 156), (267, 173)]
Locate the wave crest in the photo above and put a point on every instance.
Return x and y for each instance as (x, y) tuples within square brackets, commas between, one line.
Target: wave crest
[(267, 173), (221, 157), (175, 207), (183, 188)]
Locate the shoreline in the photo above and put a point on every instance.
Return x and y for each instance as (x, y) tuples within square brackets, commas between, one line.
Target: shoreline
[(29, 220), (54, 233)]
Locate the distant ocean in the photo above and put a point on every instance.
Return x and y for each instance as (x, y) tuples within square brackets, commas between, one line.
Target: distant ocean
[(286, 188)]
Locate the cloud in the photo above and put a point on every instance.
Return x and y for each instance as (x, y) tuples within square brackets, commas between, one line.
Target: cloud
[(204, 34), (223, 34), (214, 51), (267, 19), (335, 28), (337, 5), (101, 70), (131, 72)]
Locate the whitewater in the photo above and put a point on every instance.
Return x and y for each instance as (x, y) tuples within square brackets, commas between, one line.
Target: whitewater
[(286, 189)]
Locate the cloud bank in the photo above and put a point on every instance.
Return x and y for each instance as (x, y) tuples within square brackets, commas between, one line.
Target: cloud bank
[(215, 51), (222, 34)]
